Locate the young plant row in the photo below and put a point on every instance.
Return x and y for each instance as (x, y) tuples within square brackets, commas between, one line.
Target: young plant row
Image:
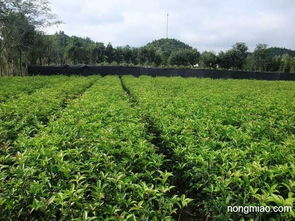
[(26, 114), (231, 142), (94, 162), (13, 87)]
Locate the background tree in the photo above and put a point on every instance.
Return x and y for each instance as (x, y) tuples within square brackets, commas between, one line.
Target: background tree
[(110, 53), (225, 59), (74, 52), (149, 56), (185, 57), (60, 41), (19, 22), (234, 58), (42, 52), (98, 53), (287, 63), (208, 60), (135, 56), (127, 54), (261, 57), (240, 52), (119, 55)]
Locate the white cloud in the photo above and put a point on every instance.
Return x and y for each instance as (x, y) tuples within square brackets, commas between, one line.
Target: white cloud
[(204, 24)]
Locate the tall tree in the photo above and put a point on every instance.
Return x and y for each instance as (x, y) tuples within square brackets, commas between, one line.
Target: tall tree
[(185, 57), (240, 51), (261, 57), (19, 22), (234, 58), (75, 52), (110, 53), (208, 60), (98, 53)]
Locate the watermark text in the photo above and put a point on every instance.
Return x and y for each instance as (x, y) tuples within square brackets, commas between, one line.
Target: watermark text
[(259, 209)]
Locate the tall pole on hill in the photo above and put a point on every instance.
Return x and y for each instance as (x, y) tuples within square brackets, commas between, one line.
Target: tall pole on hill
[(167, 26)]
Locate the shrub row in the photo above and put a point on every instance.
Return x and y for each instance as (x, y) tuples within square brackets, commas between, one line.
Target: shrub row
[(231, 142), (13, 87), (26, 114), (94, 162)]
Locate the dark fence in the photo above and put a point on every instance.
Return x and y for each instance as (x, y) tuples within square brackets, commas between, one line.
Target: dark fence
[(168, 72)]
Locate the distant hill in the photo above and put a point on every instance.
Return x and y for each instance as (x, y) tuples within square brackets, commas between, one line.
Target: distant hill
[(168, 45), (273, 51)]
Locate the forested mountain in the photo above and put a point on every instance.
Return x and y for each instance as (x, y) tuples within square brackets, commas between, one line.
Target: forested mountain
[(273, 51), (168, 45)]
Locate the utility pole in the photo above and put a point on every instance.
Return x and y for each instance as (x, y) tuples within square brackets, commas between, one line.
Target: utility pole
[(167, 26)]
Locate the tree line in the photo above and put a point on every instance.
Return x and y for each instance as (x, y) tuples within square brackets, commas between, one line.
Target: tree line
[(261, 59), (22, 43)]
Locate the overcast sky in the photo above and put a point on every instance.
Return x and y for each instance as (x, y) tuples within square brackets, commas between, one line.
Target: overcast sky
[(204, 24)]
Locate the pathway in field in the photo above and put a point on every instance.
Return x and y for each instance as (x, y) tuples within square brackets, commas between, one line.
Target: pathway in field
[(177, 180)]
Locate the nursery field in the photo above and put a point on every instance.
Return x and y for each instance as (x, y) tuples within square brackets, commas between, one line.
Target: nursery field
[(110, 148)]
